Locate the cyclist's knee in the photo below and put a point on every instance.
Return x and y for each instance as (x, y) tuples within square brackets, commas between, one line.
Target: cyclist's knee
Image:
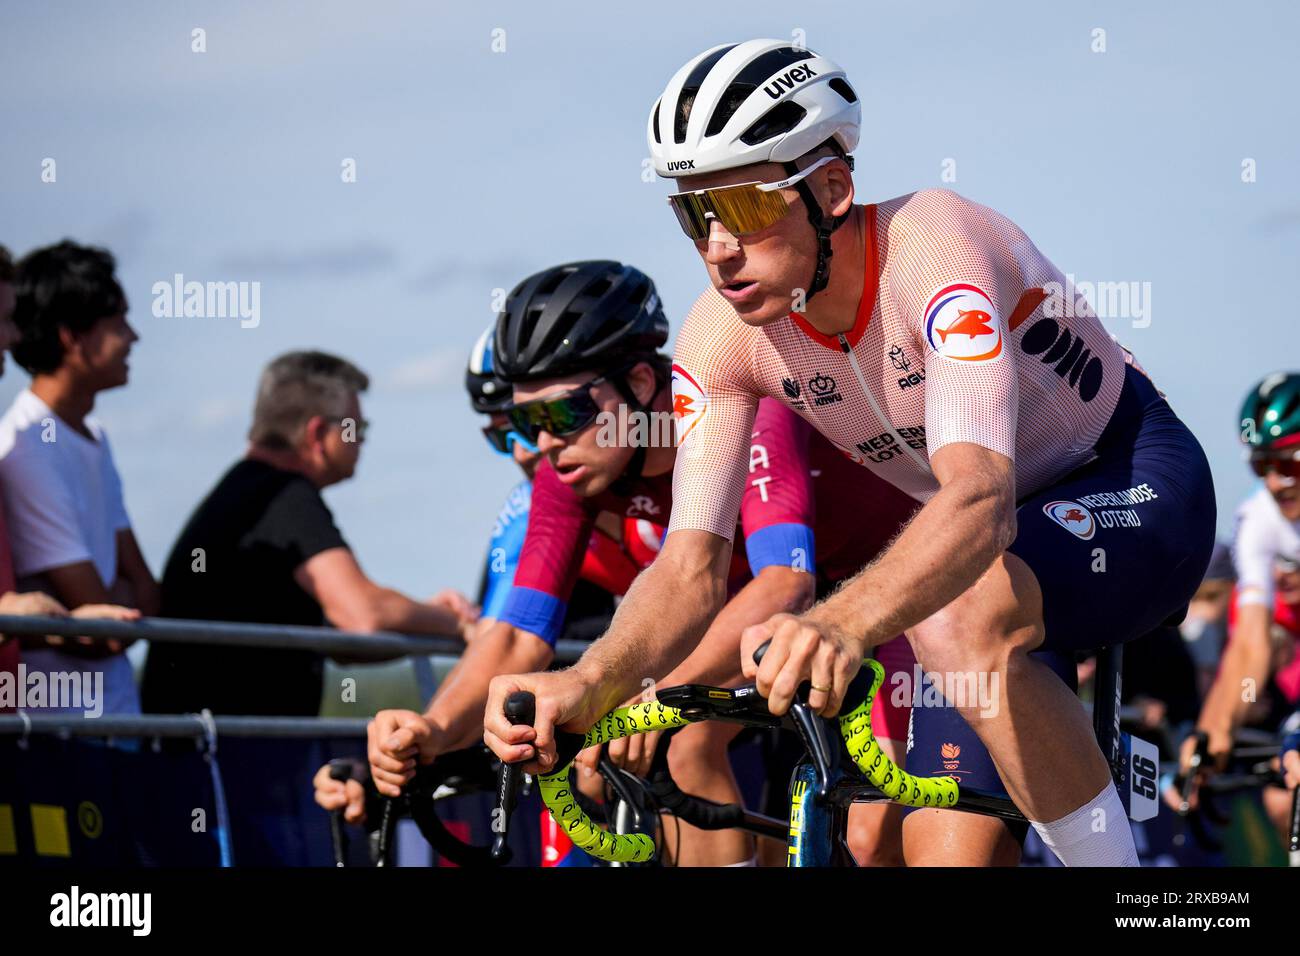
[(982, 629), (875, 834), (700, 751)]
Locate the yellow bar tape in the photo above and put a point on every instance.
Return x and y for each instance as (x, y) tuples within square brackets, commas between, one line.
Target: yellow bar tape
[(899, 785), (875, 764), (559, 798)]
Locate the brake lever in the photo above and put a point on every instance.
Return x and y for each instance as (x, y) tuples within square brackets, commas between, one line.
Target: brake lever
[(520, 708), (1185, 782), (812, 731), (341, 770)]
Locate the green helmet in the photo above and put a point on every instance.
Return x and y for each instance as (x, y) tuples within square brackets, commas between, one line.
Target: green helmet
[(1271, 413)]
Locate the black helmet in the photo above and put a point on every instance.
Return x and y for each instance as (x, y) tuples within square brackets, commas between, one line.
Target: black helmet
[(582, 316), (1270, 415), (488, 392)]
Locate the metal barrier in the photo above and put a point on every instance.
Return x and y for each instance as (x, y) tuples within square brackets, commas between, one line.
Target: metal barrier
[(181, 725), (381, 646)]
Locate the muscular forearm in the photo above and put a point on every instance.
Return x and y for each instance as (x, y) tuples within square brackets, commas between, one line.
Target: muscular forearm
[(1248, 658), (660, 620), (456, 710), (716, 660), (941, 553)]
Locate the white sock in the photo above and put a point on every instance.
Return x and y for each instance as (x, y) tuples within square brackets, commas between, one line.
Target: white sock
[(1096, 834), (752, 861)]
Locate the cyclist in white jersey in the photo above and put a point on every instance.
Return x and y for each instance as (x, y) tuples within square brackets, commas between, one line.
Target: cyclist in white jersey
[(1267, 531), (1065, 504)]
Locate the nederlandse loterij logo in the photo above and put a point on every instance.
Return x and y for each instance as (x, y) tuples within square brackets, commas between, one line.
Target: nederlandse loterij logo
[(961, 323), (690, 402), (1073, 517)]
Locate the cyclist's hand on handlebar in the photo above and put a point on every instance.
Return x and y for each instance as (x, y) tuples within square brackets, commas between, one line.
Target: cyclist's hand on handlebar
[(802, 649), (1219, 746), (396, 741), (635, 753), (563, 700), (1291, 768), (587, 761), (346, 795)]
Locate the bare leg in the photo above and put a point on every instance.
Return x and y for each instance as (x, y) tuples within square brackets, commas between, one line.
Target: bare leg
[(697, 758), (875, 829), (1036, 731), (951, 838)]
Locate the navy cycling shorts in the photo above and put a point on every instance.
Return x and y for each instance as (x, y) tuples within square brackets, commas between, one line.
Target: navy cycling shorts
[(1120, 545), (940, 743)]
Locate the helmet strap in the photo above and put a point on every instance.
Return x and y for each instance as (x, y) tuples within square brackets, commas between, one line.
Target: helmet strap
[(824, 226)]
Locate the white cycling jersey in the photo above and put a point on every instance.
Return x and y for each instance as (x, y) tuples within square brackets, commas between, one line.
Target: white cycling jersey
[(1262, 534), (965, 333)]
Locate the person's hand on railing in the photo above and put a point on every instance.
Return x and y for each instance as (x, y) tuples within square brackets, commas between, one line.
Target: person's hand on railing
[(107, 612), (346, 795), (467, 613), (398, 740), (31, 603), (40, 604)]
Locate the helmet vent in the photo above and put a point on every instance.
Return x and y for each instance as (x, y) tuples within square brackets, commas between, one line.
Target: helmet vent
[(691, 87), (761, 69), (597, 288), (654, 123), (841, 86), (779, 119), (553, 282), (735, 95)]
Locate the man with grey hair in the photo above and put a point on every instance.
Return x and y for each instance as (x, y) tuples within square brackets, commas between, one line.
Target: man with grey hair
[(263, 547)]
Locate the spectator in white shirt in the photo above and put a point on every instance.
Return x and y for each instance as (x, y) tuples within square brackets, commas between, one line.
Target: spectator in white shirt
[(68, 526)]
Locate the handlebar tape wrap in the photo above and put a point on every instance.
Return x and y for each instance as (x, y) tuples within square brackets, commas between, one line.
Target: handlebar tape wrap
[(899, 785), (561, 799)]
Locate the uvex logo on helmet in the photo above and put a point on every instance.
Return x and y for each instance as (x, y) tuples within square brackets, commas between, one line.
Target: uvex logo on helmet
[(677, 164), (789, 79)]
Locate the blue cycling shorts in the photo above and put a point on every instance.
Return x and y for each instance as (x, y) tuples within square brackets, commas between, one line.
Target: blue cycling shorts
[(1120, 545)]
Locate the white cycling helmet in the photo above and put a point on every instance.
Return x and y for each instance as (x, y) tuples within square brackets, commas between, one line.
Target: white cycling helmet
[(753, 102), (761, 101)]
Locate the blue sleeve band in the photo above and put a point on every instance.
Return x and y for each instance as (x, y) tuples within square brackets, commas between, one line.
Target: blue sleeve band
[(786, 545), (536, 612)]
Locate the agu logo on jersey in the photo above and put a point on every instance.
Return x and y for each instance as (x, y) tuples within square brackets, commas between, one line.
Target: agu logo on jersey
[(961, 323), (1073, 517), (690, 402)]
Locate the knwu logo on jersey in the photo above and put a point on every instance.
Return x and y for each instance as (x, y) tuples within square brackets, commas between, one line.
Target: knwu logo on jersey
[(961, 323), (823, 390)]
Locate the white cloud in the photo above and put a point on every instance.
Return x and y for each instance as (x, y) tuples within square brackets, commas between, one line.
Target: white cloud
[(432, 371)]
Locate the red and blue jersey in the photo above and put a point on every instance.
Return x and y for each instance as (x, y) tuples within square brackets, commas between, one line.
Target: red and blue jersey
[(807, 506), (561, 524)]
